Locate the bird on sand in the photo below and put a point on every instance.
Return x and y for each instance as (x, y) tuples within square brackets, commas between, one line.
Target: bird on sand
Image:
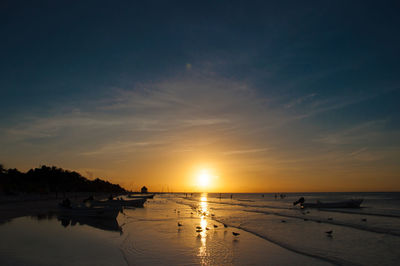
[(199, 230), (215, 226), (179, 224), (198, 227), (235, 234)]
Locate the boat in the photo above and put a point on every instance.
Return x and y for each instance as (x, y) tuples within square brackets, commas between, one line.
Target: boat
[(145, 196), (136, 202), (92, 212), (352, 203)]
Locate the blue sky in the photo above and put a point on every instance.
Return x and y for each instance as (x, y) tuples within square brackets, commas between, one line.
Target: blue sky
[(282, 90)]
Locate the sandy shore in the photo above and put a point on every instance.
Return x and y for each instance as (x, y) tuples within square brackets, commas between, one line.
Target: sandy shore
[(152, 236), (148, 236)]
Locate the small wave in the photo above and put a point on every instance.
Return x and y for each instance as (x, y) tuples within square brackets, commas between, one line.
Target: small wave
[(333, 222), (335, 260), (362, 213)]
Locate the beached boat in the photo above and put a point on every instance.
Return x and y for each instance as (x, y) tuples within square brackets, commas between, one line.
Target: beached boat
[(352, 203), (93, 212), (145, 196), (137, 202)]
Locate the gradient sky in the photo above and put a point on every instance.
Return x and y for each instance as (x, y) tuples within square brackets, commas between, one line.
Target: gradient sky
[(285, 96)]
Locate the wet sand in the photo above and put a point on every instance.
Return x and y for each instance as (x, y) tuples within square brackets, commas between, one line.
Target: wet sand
[(149, 236), (152, 236)]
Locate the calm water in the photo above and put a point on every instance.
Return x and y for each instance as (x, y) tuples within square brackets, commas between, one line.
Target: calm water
[(366, 236), (273, 232)]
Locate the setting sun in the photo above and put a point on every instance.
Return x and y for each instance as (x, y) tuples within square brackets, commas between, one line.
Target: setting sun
[(203, 178)]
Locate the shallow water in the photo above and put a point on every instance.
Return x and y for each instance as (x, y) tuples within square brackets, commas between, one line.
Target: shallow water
[(366, 236), (272, 232)]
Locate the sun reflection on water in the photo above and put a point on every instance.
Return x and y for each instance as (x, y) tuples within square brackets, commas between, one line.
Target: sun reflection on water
[(203, 212)]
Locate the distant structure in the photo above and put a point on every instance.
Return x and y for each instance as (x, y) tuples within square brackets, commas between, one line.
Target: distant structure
[(144, 189)]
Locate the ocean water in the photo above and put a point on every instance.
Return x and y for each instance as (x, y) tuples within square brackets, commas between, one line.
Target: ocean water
[(272, 232), (369, 235)]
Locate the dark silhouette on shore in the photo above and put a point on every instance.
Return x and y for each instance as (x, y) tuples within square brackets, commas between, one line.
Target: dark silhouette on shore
[(47, 179)]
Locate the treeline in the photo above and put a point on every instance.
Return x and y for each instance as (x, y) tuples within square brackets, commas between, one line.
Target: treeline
[(51, 180)]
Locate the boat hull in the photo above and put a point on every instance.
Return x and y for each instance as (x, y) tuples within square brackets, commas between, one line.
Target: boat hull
[(144, 196), (341, 204), (137, 202)]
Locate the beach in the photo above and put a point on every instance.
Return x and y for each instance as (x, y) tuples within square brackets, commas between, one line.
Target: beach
[(176, 229)]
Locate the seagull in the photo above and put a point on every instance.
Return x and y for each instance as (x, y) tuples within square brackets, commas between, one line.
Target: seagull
[(179, 224), (215, 226), (235, 234)]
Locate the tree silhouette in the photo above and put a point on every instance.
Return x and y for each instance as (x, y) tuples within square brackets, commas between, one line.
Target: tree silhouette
[(51, 179)]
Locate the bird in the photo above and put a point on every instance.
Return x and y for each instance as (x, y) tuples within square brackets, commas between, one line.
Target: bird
[(198, 227), (215, 226), (329, 232), (199, 230), (179, 224), (235, 234)]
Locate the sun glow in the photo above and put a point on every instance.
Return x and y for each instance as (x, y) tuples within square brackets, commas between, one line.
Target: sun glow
[(204, 178)]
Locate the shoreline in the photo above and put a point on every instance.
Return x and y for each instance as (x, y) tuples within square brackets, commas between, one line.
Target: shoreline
[(12, 207)]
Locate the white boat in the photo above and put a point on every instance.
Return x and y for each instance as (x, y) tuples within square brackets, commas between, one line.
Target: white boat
[(145, 196), (351, 203), (137, 202)]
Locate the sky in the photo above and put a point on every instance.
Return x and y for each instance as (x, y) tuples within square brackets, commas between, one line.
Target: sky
[(262, 96)]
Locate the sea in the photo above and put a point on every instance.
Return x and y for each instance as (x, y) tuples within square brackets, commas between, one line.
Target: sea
[(197, 229), (369, 235)]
